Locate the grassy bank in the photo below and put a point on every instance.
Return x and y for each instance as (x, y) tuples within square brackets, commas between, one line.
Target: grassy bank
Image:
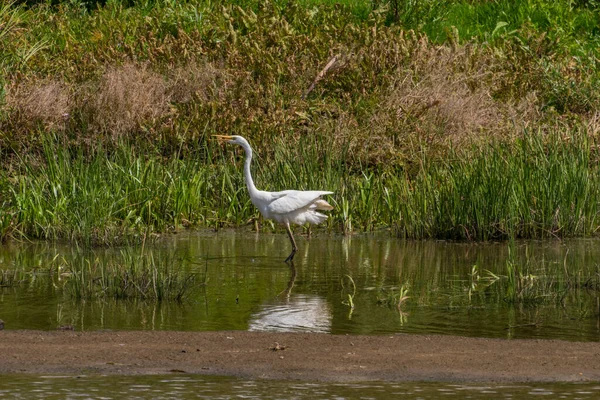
[(524, 189), (445, 119)]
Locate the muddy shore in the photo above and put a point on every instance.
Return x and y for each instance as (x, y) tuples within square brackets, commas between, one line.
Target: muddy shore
[(299, 356)]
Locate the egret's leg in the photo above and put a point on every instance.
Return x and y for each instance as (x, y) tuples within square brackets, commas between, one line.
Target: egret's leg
[(294, 247)]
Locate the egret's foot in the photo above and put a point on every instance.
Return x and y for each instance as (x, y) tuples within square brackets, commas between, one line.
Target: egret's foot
[(291, 256)]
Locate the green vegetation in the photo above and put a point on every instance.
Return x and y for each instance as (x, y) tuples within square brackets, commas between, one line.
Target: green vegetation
[(523, 189), (531, 282), (10, 278), (136, 277), (525, 278), (142, 276), (437, 118), (477, 289)]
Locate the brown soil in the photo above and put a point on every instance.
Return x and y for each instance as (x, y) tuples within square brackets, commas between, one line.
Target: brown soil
[(299, 356)]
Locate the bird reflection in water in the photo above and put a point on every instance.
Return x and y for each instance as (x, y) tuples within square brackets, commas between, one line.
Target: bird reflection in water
[(293, 313)]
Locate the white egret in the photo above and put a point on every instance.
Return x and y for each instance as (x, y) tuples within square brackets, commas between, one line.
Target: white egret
[(285, 207)]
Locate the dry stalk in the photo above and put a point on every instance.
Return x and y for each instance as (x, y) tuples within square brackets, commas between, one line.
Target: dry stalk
[(321, 75)]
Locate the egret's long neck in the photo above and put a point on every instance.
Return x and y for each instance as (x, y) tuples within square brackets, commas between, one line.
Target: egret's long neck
[(249, 182)]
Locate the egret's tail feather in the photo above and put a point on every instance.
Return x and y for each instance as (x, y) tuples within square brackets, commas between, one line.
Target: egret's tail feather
[(314, 217), (323, 205)]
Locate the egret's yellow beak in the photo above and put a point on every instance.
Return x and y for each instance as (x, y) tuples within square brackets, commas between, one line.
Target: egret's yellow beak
[(222, 138)]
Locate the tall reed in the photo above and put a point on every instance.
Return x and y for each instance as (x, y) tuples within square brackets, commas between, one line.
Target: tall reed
[(536, 187), (106, 198)]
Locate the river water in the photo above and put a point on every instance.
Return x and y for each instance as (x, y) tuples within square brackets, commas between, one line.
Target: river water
[(362, 284), (242, 283), (202, 387)]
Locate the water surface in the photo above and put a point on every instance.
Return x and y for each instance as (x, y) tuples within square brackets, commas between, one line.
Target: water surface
[(200, 387), (243, 284)]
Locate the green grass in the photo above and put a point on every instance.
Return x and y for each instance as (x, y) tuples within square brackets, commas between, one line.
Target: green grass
[(10, 278), (135, 277), (531, 189), (493, 19), (526, 281), (252, 66), (526, 190), (536, 282), (108, 198)]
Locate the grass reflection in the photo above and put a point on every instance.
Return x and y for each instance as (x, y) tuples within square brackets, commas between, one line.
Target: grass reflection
[(367, 284), (145, 276)]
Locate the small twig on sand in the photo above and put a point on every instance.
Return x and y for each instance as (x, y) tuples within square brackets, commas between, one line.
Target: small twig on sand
[(320, 75)]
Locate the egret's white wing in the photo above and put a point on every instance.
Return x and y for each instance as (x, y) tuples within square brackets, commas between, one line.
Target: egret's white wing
[(292, 200)]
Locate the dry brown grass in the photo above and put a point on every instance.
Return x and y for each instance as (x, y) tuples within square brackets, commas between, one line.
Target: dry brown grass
[(123, 102), (441, 99), (592, 124), (127, 98), (45, 102), (202, 82)]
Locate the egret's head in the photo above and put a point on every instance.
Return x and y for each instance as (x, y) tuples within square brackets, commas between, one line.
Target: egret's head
[(234, 139)]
